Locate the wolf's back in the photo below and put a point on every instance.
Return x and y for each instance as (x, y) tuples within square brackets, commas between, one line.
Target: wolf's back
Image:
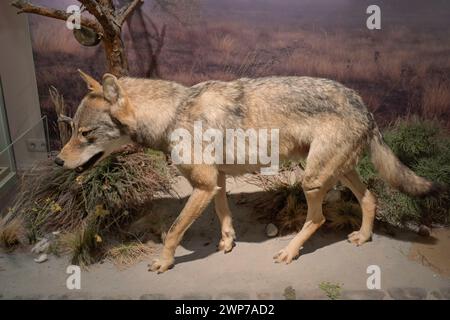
[(396, 173)]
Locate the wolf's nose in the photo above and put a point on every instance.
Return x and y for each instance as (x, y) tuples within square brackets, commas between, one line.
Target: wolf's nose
[(59, 161)]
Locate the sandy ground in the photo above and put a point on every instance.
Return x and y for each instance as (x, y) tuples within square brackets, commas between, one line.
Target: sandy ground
[(248, 272)]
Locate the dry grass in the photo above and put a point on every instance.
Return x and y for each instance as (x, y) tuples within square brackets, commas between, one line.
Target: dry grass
[(343, 216), (89, 209), (284, 204), (12, 232), (126, 254), (436, 99)]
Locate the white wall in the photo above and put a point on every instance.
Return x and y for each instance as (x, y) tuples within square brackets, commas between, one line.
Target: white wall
[(19, 82)]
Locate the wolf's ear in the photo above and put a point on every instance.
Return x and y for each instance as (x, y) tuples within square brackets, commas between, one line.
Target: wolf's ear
[(92, 84), (111, 88)]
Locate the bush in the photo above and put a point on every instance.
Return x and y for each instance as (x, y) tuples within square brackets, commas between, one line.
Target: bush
[(424, 146), (90, 207)]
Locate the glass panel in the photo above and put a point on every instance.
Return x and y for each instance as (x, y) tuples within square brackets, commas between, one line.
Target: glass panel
[(25, 152), (7, 167)]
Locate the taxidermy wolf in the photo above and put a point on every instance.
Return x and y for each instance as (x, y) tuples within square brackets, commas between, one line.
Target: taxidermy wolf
[(319, 120)]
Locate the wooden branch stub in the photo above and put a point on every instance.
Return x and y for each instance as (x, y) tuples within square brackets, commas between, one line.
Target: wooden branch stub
[(65, 124)]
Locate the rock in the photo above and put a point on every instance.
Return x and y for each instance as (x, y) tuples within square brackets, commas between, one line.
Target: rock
[(41, 246), (424, 231), (271, 230), (42, 258), (333, 196)]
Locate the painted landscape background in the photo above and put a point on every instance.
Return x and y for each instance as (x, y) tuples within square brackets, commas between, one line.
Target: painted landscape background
[(401, 70)]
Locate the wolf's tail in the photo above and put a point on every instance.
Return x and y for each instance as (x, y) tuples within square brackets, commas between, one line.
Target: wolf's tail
[(396, 173)]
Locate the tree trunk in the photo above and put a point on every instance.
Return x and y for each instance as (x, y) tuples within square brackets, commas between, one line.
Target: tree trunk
[(115, 54)]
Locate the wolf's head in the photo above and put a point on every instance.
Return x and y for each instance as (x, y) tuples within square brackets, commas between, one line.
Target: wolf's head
[(96, 130)]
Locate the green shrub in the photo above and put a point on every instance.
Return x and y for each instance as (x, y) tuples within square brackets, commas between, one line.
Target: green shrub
[(413, 139), (424, 146)]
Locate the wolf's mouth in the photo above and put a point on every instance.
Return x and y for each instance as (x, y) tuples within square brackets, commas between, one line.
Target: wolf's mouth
[(90, 162)]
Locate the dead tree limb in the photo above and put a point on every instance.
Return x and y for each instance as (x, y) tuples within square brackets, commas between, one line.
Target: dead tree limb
[(108, 24), (27, 7), (64, 124), (126, 10)]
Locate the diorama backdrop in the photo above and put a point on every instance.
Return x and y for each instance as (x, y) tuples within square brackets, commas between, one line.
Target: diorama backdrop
[(401, 70)]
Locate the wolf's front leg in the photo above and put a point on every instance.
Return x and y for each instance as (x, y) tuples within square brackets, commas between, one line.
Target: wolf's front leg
[(226, 243), (204, 181)]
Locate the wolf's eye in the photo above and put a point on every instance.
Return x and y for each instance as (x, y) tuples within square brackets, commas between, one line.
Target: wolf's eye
[(86, 133)]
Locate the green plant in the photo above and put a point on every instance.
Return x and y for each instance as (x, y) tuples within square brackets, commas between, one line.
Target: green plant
[(424, 146), (413, 139), (332, 290)]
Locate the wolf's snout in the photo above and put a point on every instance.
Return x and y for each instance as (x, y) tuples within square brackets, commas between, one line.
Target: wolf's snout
[(59, 161)]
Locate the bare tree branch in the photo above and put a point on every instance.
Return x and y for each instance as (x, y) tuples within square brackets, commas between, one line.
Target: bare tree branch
[(158, 37), (65, 124), (28, 7), (126, 10), (99, 11)]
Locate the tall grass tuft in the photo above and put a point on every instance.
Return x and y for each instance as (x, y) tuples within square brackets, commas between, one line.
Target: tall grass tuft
[(90, 207)]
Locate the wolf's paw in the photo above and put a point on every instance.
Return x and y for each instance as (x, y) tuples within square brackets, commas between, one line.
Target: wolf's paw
[(286, 255), (226, 244), (161, 265), (359, 237)]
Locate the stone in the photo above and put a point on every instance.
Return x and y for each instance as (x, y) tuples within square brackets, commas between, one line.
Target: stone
[(41, 246), (424, 231), (271, 230), (42, 258)]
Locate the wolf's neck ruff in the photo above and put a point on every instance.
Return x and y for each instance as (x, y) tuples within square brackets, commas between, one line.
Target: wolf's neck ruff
[(154, 104)]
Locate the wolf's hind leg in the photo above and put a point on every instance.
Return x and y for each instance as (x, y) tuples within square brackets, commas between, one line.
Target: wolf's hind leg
[(314, 219), (223, 212), (318, 179), (368, 205)]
